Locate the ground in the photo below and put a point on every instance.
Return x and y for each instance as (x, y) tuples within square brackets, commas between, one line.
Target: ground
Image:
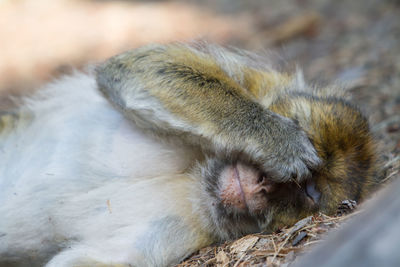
[(354, 43)]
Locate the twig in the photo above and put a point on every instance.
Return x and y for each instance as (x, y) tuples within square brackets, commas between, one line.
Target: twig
[(240, 259)]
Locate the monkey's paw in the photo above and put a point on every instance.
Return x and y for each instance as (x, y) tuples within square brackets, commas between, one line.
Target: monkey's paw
[(293, 157)]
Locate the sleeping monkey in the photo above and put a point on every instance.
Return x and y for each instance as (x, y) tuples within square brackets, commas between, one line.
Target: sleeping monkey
[(165, 149)]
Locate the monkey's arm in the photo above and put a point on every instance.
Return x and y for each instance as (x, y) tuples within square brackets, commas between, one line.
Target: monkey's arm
[(173, 90)]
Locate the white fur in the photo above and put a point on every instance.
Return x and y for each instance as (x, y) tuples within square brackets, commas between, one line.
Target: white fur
[(73, 183)]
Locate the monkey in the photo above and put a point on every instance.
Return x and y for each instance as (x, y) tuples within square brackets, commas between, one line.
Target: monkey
[(164, 149)]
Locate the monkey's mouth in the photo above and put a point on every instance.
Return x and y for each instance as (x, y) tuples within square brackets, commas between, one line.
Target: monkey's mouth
[(239, 185), (244, 188), (231, 190)]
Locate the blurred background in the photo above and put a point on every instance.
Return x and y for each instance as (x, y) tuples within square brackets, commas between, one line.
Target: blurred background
[(355, 43)]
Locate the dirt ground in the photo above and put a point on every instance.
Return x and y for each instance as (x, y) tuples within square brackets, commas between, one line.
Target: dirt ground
[(354, 43)]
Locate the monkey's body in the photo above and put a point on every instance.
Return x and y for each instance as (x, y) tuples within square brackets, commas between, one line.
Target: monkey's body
[(74, 171), (82, 185)]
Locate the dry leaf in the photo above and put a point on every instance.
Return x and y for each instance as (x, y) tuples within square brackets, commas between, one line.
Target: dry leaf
[(243, 244), (222, 259)]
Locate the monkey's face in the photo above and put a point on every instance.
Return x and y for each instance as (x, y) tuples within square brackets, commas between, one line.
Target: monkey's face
[(343, 140), (245, 200)]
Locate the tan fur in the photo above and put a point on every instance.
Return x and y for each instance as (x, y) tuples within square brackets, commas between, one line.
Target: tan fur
[(196, 86), (211, 100)]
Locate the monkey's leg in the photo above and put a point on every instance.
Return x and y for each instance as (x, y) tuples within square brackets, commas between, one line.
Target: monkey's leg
[(175, 90)]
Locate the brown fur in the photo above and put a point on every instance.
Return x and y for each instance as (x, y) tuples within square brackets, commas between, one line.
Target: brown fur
[(234, 102)]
